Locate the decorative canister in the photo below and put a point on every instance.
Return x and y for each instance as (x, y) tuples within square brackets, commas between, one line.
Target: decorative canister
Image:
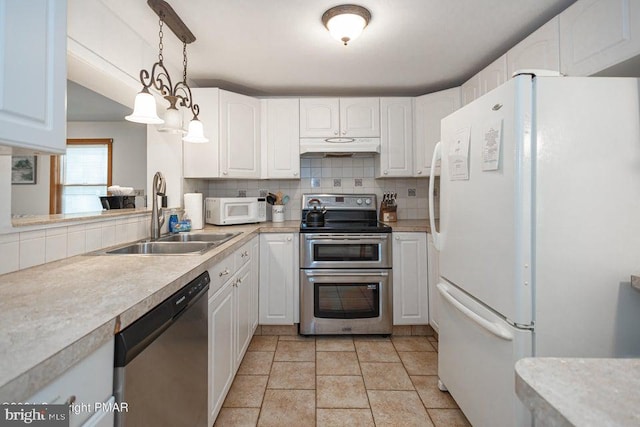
[(277, 213)]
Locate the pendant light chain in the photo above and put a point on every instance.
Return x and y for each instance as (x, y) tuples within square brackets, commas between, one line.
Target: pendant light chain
[(160, 44), (184, 61)]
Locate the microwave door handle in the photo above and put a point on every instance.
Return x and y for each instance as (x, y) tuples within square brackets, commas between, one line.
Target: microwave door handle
[(491, 327)]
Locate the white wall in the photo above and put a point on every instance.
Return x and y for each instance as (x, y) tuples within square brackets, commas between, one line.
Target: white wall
[(129, 148), (27, 199), (129, 163)]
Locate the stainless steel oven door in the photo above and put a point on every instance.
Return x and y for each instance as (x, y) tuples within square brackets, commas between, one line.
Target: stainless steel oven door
[(333, 250), (346, 301)]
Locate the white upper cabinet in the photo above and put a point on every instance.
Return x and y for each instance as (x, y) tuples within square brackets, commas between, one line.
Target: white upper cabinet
[(493, 75), (540, 50), (239, 136), (470, 90), (396, 141), (339, 117), (281, 125), (428, 111), (232, 123), (596, 34), (33, 76), (319, 117), (359, 117), (201, 160)]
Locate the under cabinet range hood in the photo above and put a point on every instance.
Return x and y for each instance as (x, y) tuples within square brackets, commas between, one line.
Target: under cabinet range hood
[(339, 147)]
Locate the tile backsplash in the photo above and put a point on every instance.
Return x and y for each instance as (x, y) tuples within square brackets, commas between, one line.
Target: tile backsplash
[(337, 175)]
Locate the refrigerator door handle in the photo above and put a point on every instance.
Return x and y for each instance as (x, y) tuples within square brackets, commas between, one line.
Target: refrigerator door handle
[(437, 155), (491, 327)]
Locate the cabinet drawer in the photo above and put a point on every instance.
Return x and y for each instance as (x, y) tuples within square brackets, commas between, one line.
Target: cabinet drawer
[(87, 382), (243, 255), (220, 273)]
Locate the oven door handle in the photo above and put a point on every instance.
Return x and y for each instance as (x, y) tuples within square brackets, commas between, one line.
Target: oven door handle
[(326, 237), (346, 241), (346, 273)]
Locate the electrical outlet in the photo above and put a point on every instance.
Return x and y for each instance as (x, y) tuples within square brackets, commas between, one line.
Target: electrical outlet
[(337, 182), (263, 192), (357, 182), (138, 192), (242, 193), (411, 192), (315, 182)]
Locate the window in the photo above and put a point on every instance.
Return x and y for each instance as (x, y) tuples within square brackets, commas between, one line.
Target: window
[(81, 176)]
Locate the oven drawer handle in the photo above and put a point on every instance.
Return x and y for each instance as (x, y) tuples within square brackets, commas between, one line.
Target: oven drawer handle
[(350, 273)]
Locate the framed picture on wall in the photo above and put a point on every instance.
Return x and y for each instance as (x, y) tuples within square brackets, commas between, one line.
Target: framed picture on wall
[(23, 169)]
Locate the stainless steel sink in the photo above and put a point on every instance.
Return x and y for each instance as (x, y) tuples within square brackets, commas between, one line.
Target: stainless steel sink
[(175, 244), (218, 238), (162, 248)]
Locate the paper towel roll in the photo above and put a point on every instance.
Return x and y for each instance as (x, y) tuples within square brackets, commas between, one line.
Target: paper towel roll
[(193, 209)]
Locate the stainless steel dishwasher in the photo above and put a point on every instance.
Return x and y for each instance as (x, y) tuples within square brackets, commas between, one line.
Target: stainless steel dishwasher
[(161, 362)]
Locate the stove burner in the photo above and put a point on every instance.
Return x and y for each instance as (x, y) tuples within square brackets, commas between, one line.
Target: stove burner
[(345, 213)]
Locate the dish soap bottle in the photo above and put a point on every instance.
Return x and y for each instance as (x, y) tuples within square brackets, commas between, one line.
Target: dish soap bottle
[(173, 220)]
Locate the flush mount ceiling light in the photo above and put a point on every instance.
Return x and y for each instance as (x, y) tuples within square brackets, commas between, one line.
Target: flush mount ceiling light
[(144, 110), (346, 22)]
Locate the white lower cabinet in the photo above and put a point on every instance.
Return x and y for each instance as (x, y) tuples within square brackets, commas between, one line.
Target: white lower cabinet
[(232, 310), (434, 274), (221, 349), (85, 383), (410, 290), (279, 278)]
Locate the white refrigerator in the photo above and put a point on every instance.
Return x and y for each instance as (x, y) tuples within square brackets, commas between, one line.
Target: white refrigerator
[(539, 234)]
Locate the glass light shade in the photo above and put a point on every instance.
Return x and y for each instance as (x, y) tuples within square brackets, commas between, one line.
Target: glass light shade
[(346, 27), (144, 110), (196, 132), (172, 121)]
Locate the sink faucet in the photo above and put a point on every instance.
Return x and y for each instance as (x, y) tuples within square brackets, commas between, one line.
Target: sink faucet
[(157, 216)]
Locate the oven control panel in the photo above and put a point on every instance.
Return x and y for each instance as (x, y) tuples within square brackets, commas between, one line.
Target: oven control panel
[(340, 201)]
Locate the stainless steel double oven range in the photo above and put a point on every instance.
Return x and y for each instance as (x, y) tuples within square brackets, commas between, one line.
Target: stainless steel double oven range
[(345, 267)]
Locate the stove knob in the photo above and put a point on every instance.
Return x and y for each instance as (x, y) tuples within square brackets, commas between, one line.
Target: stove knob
[(367, 201), (359, 201)]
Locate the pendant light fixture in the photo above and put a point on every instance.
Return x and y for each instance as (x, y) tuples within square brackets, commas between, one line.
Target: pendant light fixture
[(346, 22), (177, 96)]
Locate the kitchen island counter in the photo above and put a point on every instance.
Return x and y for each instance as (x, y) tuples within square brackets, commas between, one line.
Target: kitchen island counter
[(580, 392)]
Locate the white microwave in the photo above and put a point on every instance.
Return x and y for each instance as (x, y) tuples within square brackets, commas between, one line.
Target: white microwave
[(235, 210)]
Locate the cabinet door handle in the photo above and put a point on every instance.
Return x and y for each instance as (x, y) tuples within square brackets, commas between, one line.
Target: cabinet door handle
[(295, 174), (239, 280), (225, 173), (419, 172), (386, 172), (344, 132), (397, 237), (335, 132), (288, 239), (224, 273)]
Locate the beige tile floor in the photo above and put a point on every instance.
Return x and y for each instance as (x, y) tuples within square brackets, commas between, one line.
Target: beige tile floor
[(339, 381)]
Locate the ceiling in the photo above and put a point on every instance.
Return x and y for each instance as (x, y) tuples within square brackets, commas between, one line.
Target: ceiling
[(280, 47)]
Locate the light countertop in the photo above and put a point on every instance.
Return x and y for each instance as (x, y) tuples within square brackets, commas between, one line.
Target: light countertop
[(580, 392), (56, 314), (31, 220)]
